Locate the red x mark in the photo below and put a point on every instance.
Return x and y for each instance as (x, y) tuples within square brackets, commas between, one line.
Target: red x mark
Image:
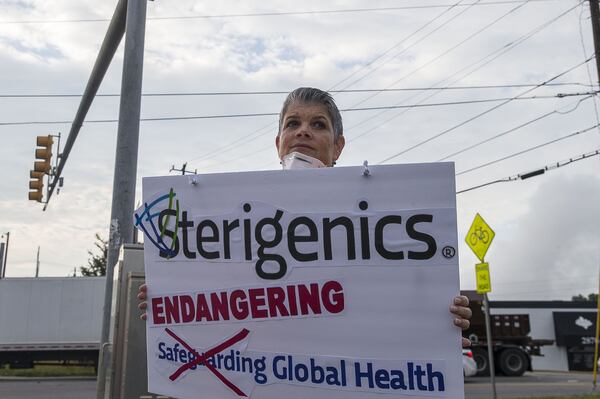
[(203, 359)]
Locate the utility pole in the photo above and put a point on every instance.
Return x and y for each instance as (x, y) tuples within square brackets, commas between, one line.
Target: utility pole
[(595, 18), (2, 246), (3, 265), (37, 263), (183, 169), (123, 201)]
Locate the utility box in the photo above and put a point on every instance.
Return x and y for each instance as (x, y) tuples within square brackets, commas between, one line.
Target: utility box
[(127, 377)]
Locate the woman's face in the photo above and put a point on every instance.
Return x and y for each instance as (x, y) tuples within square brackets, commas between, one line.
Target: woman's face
[(307, 128)]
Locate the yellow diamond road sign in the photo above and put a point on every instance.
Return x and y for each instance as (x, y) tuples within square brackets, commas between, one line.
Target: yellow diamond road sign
[(482, 273), (479, 237)]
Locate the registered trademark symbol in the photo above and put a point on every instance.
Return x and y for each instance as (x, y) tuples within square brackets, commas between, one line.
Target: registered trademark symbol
[(448, 252)]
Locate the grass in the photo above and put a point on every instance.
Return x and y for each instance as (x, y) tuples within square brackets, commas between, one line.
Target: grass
[(48, 370)]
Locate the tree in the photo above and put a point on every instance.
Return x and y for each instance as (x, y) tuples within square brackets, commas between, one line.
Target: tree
[(96, 262), (582, 298)]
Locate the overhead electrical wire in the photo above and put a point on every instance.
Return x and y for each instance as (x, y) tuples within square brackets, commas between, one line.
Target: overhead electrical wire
[(535, 147), (542, 170), (477, 116), (266, 128), (225, 116), (587, 66), (468, 70), (268, 14), (282, 92), (449, 50), (511, 130), (421, 39), (483, 61), (390, 49)]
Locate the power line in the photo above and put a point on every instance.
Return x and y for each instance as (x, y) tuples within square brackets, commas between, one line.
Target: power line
[(397, 44), (405, 49), (270, 14), (449, 50), (227, 116), (282, 92), (501, 51), (265, 129), (495, 107), (504, 133), (527, 150), (262, 149), (587, 66), (535, 172), (477, 65), (482, 62)]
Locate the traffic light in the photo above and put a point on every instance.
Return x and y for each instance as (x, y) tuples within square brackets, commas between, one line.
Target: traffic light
[(41, 167), (36, 184), (43, 154)]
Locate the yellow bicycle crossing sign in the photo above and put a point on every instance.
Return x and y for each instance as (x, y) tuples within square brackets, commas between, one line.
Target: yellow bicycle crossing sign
[(479, 237)]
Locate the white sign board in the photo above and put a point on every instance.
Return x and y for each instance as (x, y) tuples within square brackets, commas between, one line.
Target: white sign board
[(285, 284)]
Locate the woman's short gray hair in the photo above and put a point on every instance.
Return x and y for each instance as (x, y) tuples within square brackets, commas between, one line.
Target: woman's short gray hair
[(310, 95)]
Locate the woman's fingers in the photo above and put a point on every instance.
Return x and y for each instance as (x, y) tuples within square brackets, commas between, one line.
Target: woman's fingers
[(462, 323), (466, 342), (142, 292), (461, 300), (461, 311), (142, 297)]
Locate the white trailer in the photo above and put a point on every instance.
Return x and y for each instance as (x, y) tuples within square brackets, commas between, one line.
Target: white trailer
[(50, 318)]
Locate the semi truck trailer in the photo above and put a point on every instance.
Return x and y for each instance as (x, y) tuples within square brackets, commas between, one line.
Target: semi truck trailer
[(50, 319)]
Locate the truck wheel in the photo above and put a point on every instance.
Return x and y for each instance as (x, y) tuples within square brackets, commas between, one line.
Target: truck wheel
[(513, 362), (481, 358)]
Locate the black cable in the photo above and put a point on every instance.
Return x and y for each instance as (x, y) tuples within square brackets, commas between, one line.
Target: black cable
[(244, 93), (270, 14), (265, 129), (495, 107), (477, 65), (397, 44), (545, 168), (449, 50), (535, 147), (226, 116), (405, 49), (504, 133)]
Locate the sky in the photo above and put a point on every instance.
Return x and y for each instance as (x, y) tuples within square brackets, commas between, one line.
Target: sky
[(547, 243)]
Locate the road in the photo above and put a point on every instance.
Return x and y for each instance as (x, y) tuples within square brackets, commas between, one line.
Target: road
[(28, 388), (529, 385)]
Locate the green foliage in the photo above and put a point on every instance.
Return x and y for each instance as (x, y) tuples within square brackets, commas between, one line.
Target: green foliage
[(582, 298), (97, 262)]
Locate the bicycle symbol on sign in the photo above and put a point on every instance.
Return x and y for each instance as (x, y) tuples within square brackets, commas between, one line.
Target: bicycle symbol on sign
[(479, 235)]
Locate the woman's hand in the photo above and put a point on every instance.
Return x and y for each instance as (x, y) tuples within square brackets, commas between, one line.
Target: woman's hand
[(460, 309), (142, 297)]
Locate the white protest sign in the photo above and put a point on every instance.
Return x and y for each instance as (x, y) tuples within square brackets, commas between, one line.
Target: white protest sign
[(321, 282)]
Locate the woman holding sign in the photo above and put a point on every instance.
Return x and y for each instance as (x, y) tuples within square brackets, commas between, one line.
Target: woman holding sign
[(311, 135)]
